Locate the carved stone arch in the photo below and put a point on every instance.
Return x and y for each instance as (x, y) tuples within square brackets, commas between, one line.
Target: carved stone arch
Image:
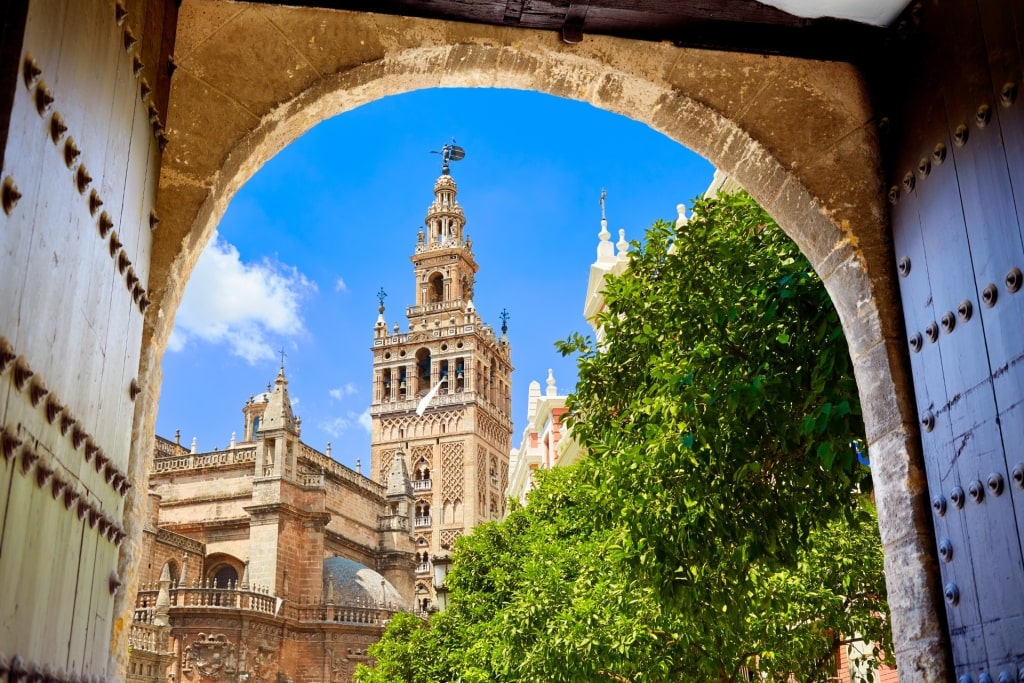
[(799, 136), (222, 567), (173, 570), (435, 287)]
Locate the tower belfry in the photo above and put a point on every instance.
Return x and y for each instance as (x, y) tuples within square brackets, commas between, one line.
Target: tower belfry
[(442, 387)]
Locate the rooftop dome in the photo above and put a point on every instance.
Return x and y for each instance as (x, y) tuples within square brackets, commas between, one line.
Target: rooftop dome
[(444, 182), (346, 581)]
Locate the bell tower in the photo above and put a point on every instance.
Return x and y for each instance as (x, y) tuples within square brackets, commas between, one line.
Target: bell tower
[(442, 387)]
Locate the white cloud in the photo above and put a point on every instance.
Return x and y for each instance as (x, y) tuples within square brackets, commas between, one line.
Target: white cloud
[(340, 285), (240, 304), (348, 389), (337, 426)]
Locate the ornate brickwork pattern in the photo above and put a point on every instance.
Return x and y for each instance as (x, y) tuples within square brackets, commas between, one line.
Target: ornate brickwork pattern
[(425, 452), (481, 479), (386, 456), (503, 486), (414, 426), (481, 469), (448, 537), (492, 431), (451, 470)]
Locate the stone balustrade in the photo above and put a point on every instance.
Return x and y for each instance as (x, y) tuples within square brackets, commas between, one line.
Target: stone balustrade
[(146, 637), (392, 523), (246, 599), (317, 460), (197, 461)]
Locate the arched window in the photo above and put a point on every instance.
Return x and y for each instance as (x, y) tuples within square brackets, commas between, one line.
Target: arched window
[(436, 288), (225, 577), (445, 380), (423, 369), (446, 512), (172, 569)]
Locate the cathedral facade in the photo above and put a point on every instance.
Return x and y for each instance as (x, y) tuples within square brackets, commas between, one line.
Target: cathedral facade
[(269, 560)]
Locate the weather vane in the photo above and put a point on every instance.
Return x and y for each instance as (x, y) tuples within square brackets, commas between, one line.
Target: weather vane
[(381, 295), (448, 153), (283, 354), (504, 320)]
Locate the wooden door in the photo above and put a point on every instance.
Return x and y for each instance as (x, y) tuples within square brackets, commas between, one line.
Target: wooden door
[(957, 195)]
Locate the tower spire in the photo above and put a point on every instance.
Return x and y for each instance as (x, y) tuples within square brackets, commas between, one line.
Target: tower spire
[(448, 153), (605, 249)]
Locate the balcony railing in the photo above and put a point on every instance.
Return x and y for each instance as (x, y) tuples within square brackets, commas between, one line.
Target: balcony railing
[(340, 614), (146, 636), (422, 521), (392, 522), (421, 485), (232, 598), (423, 568)]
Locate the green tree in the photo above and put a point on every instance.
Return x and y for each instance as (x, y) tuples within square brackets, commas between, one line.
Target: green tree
[(717, 523)]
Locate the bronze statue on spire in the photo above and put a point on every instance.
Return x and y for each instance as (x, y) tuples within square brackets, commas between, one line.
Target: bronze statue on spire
[(448, 153)]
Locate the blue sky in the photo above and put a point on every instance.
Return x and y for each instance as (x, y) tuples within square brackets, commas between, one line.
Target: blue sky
[(306, 244)]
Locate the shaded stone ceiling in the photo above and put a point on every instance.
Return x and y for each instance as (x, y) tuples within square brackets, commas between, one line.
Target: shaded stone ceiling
[(732, 25)]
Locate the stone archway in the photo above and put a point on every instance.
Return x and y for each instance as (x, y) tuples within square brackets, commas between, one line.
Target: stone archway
[(798, 135)]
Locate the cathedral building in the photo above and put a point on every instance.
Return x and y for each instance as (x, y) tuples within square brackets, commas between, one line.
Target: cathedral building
[(269, 560), (442, 390)]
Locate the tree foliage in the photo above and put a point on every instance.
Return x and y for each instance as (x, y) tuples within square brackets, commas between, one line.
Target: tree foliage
[(718, 523)]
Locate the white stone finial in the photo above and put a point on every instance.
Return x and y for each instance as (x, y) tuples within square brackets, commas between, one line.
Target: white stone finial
[(623, 245), (359, 466), (534, 397), (605, 251), (328, 450), (551, 390), (682, 219), (233, 440), (195, 444)]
